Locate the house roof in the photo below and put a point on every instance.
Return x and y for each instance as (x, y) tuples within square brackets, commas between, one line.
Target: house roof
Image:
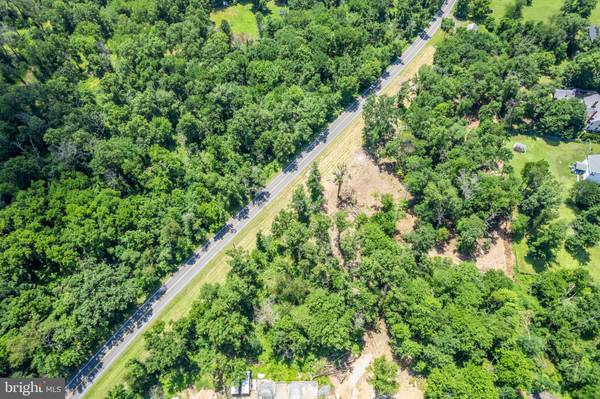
[(472, 26), (266, 390), (591, 99), (592, 103), (593, 32), (581, 166), (564, 94), (294, 391), (324, 391), (542, 395), (594, 163)]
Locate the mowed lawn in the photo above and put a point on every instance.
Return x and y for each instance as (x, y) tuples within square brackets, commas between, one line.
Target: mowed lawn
[(241, 18), (559, 154), (540, 10)]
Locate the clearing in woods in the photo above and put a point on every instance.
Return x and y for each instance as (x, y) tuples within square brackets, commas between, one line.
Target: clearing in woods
[(242, 18), (354, 384)]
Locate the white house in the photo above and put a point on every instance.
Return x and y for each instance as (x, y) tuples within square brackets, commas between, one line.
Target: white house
[(588, 169), (591, 99), (473, 26)]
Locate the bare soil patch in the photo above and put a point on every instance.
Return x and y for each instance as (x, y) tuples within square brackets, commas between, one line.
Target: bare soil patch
[(362, 182), (405, 225), (355, 383), (498, 257), (193, 393)]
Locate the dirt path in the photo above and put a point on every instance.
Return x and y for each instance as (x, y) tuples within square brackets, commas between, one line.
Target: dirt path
[(355, 384)]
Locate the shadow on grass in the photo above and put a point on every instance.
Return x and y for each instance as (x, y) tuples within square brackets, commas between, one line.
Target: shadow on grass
[(580, 254), (551, 140), (538, 265)]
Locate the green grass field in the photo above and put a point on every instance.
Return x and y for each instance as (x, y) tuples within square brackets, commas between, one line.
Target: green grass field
[(559, 154), (540, 10), (241, 18)]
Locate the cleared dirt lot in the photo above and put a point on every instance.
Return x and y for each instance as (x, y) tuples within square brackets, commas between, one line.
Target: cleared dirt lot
[(498, 257), (361, 185), (355, 383)]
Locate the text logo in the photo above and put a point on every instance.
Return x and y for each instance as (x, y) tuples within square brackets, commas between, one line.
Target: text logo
[(32, 388)]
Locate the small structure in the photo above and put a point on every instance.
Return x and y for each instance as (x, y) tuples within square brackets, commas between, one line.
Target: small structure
[(591, 99), (594, 32), (542, 395), (243, 388), (592, 104), (565, 94), (473, 26), (520, 147), (324, 391), (588, 169), (265, 389), (295, 390)]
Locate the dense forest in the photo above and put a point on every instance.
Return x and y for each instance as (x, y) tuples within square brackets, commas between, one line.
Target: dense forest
[(131, 130)]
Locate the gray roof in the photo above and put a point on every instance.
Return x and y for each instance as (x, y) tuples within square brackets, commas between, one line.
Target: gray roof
[(324, 391), (266, 390), (295, 390), (581, 166), (594, 163), (593, 32), (564, 94), (591, 99), (542, 395), (592, 103), (472, 26)]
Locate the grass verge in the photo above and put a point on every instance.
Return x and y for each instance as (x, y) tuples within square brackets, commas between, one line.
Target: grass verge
[(559, 154), (338, 152)]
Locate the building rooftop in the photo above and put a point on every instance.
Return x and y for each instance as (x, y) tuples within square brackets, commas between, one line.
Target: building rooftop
[(564, 94), (542, 395), (594, 32), (266, 389), (592, 103), (594, 163), (591, 99)]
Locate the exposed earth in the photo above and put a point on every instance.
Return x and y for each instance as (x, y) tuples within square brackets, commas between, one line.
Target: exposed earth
[(361, 185), (355, 383), (359, 192)]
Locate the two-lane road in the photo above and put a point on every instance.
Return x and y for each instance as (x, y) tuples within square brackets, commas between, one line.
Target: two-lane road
[(133, 327)]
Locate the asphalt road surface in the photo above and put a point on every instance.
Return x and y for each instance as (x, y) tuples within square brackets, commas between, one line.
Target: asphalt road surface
[(133, 327)]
